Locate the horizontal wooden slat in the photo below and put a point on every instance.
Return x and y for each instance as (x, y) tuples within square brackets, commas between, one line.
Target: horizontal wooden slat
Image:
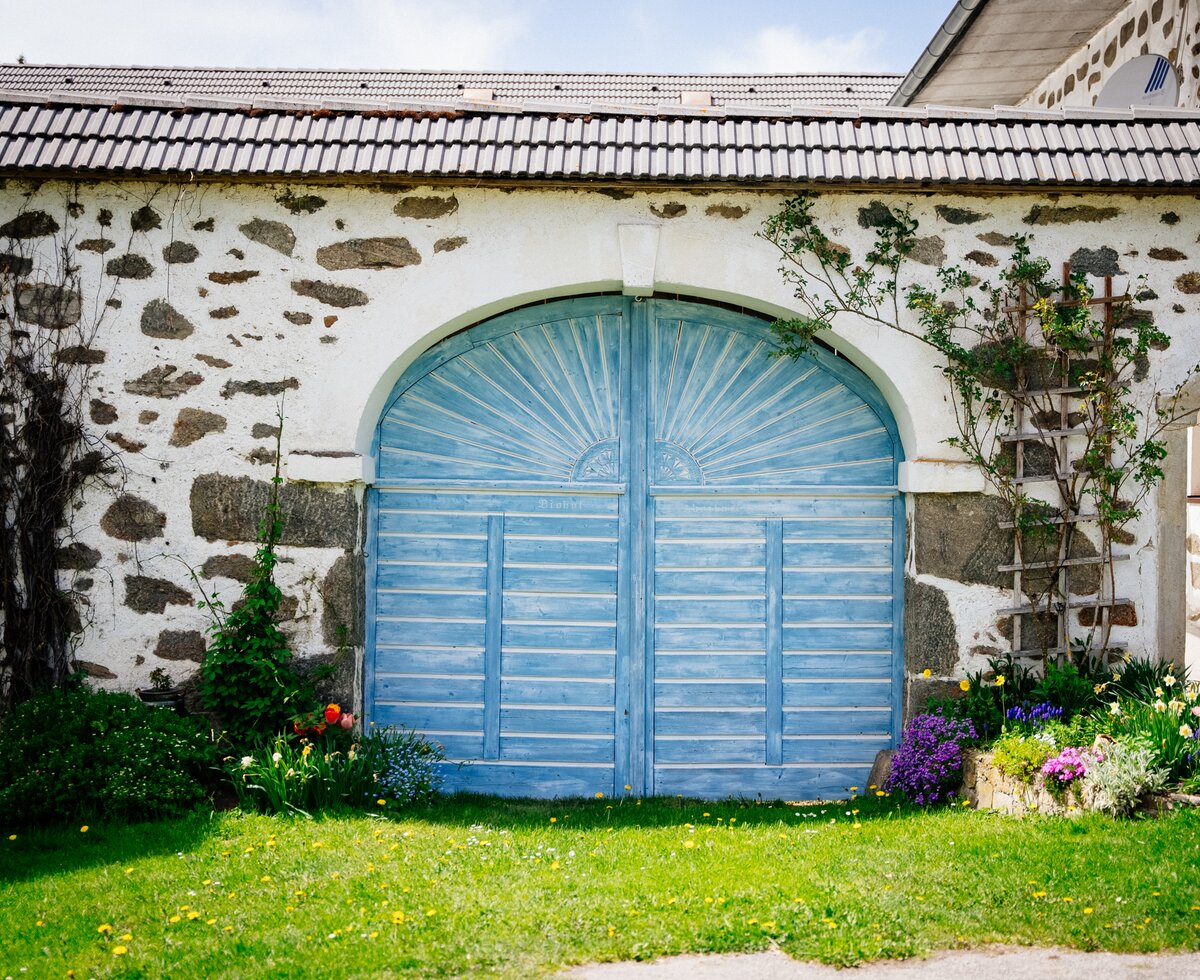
[(390, 687), (735, 694), (560, 551), (425, 717), (442, 660), (558, 691), (708, 722), (430, 605), (532, 780), (521, 748), (835, 751), (390, 575), (546, 578), (845, 694), (838, 721), (395, 632), (559, 663), (709, 751), (767, 783), (567, 721), (577, 608)]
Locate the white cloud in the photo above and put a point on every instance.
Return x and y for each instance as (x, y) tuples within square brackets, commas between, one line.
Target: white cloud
[(786, 50), (263, 33)]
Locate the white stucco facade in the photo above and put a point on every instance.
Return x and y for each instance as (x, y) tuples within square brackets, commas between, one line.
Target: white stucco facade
[(490, 250)]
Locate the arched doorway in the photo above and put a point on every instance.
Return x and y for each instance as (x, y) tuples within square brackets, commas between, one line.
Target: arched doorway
[(613, 542)]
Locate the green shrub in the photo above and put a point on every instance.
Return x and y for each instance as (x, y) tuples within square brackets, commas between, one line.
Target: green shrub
[(333, 772), (1020, 757), (1064, 687), (75, 754), (1123, 776), (1140, 677)]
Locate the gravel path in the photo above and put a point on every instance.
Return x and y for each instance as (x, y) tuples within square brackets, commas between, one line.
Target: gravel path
[(1007, 962)]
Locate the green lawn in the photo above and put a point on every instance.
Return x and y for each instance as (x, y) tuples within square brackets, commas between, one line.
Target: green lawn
[(516, 888)]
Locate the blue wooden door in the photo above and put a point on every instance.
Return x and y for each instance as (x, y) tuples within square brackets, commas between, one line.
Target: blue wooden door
[(616, 543)]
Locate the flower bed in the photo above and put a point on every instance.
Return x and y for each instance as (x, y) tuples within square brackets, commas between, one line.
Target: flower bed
[(1083, 736)]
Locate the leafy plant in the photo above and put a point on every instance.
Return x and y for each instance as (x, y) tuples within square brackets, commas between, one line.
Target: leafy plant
[(1064, 687), (160, 680), (331, 772), (1066, 769), (1170, 729), (1140, 677), (928, 765), (247, 678), (1009, 352), (77, 753), (1020, 757), (1115, 783)]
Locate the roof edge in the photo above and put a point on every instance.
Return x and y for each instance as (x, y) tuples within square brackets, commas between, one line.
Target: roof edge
[(956, 24)]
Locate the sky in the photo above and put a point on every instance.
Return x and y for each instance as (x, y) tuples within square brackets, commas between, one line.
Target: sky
[(673, 36)]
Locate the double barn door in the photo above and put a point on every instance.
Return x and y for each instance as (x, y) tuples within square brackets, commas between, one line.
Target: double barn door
[(616, 543)]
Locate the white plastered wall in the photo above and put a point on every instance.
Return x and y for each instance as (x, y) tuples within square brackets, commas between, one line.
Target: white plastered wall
[(520, 246)]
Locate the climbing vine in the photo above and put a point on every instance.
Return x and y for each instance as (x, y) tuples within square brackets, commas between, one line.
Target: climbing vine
[(47, 455), (1032, 359)]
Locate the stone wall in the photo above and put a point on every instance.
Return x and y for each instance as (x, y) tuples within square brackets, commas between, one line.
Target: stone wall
[(214, 304), (1170, 28)]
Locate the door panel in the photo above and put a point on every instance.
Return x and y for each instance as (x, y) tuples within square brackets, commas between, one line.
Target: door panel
[(617, 542)]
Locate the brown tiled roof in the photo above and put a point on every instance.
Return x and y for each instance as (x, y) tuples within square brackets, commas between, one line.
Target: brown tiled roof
[(440, 86), (69, 135)]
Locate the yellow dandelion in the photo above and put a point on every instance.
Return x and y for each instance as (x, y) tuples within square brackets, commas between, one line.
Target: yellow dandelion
[(104, 929), (83, 829), (964, 685), (689, 843), (880, 792), (126, 937), (554, 819), (1088, 911), (397, 917), (628, 788), (120, 950), (174, 919), (381, 802), (599, 796), (193, 915), (927, 673), (12, 836)]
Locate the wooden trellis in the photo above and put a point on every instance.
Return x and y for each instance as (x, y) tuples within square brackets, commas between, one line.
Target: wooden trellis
[(1057, 603)]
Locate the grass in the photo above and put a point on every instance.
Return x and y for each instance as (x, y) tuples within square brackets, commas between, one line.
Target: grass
[(515, 888)]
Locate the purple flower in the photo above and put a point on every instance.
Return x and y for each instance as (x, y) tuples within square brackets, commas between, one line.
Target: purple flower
[(1069, 765), (927, 767)]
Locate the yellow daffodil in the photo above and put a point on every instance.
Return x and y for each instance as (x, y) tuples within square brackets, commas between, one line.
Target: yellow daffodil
[(964, 685), (1185, 731), (1114, 708), (999, 680)]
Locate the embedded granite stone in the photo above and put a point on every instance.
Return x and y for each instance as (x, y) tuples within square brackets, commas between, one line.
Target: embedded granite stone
[(1047, 215), (146, 417), (264, 430), (49, 306), (980, 257), (273, 234), (161, 382), (181, 645), (131, 518), (874, 215), (1101, 261), (368, 253), (261, 456), (1122, 615), (342, 593), (101, 412), (232, 278), (129, 266), (927, 251), (672, 209), (180, 253), (208, 224), (449, 244), (223, 312), (958, 216), (161, 320), (125, 443), (329, 293), (299, 319), (1169, 218), (145, 219), (929, 630), (302, 203), (29, 224), (104, 218), (98, 245), (152, 595), (229, 508), (425, 207), (216, 362), (997, 240), (78, 557), (957, 536), (95, 671), (259, 388), (79, 355), (15, 265), (730, 211), (240, 568), (1188, 283), (193, 424), (1167, 254)]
